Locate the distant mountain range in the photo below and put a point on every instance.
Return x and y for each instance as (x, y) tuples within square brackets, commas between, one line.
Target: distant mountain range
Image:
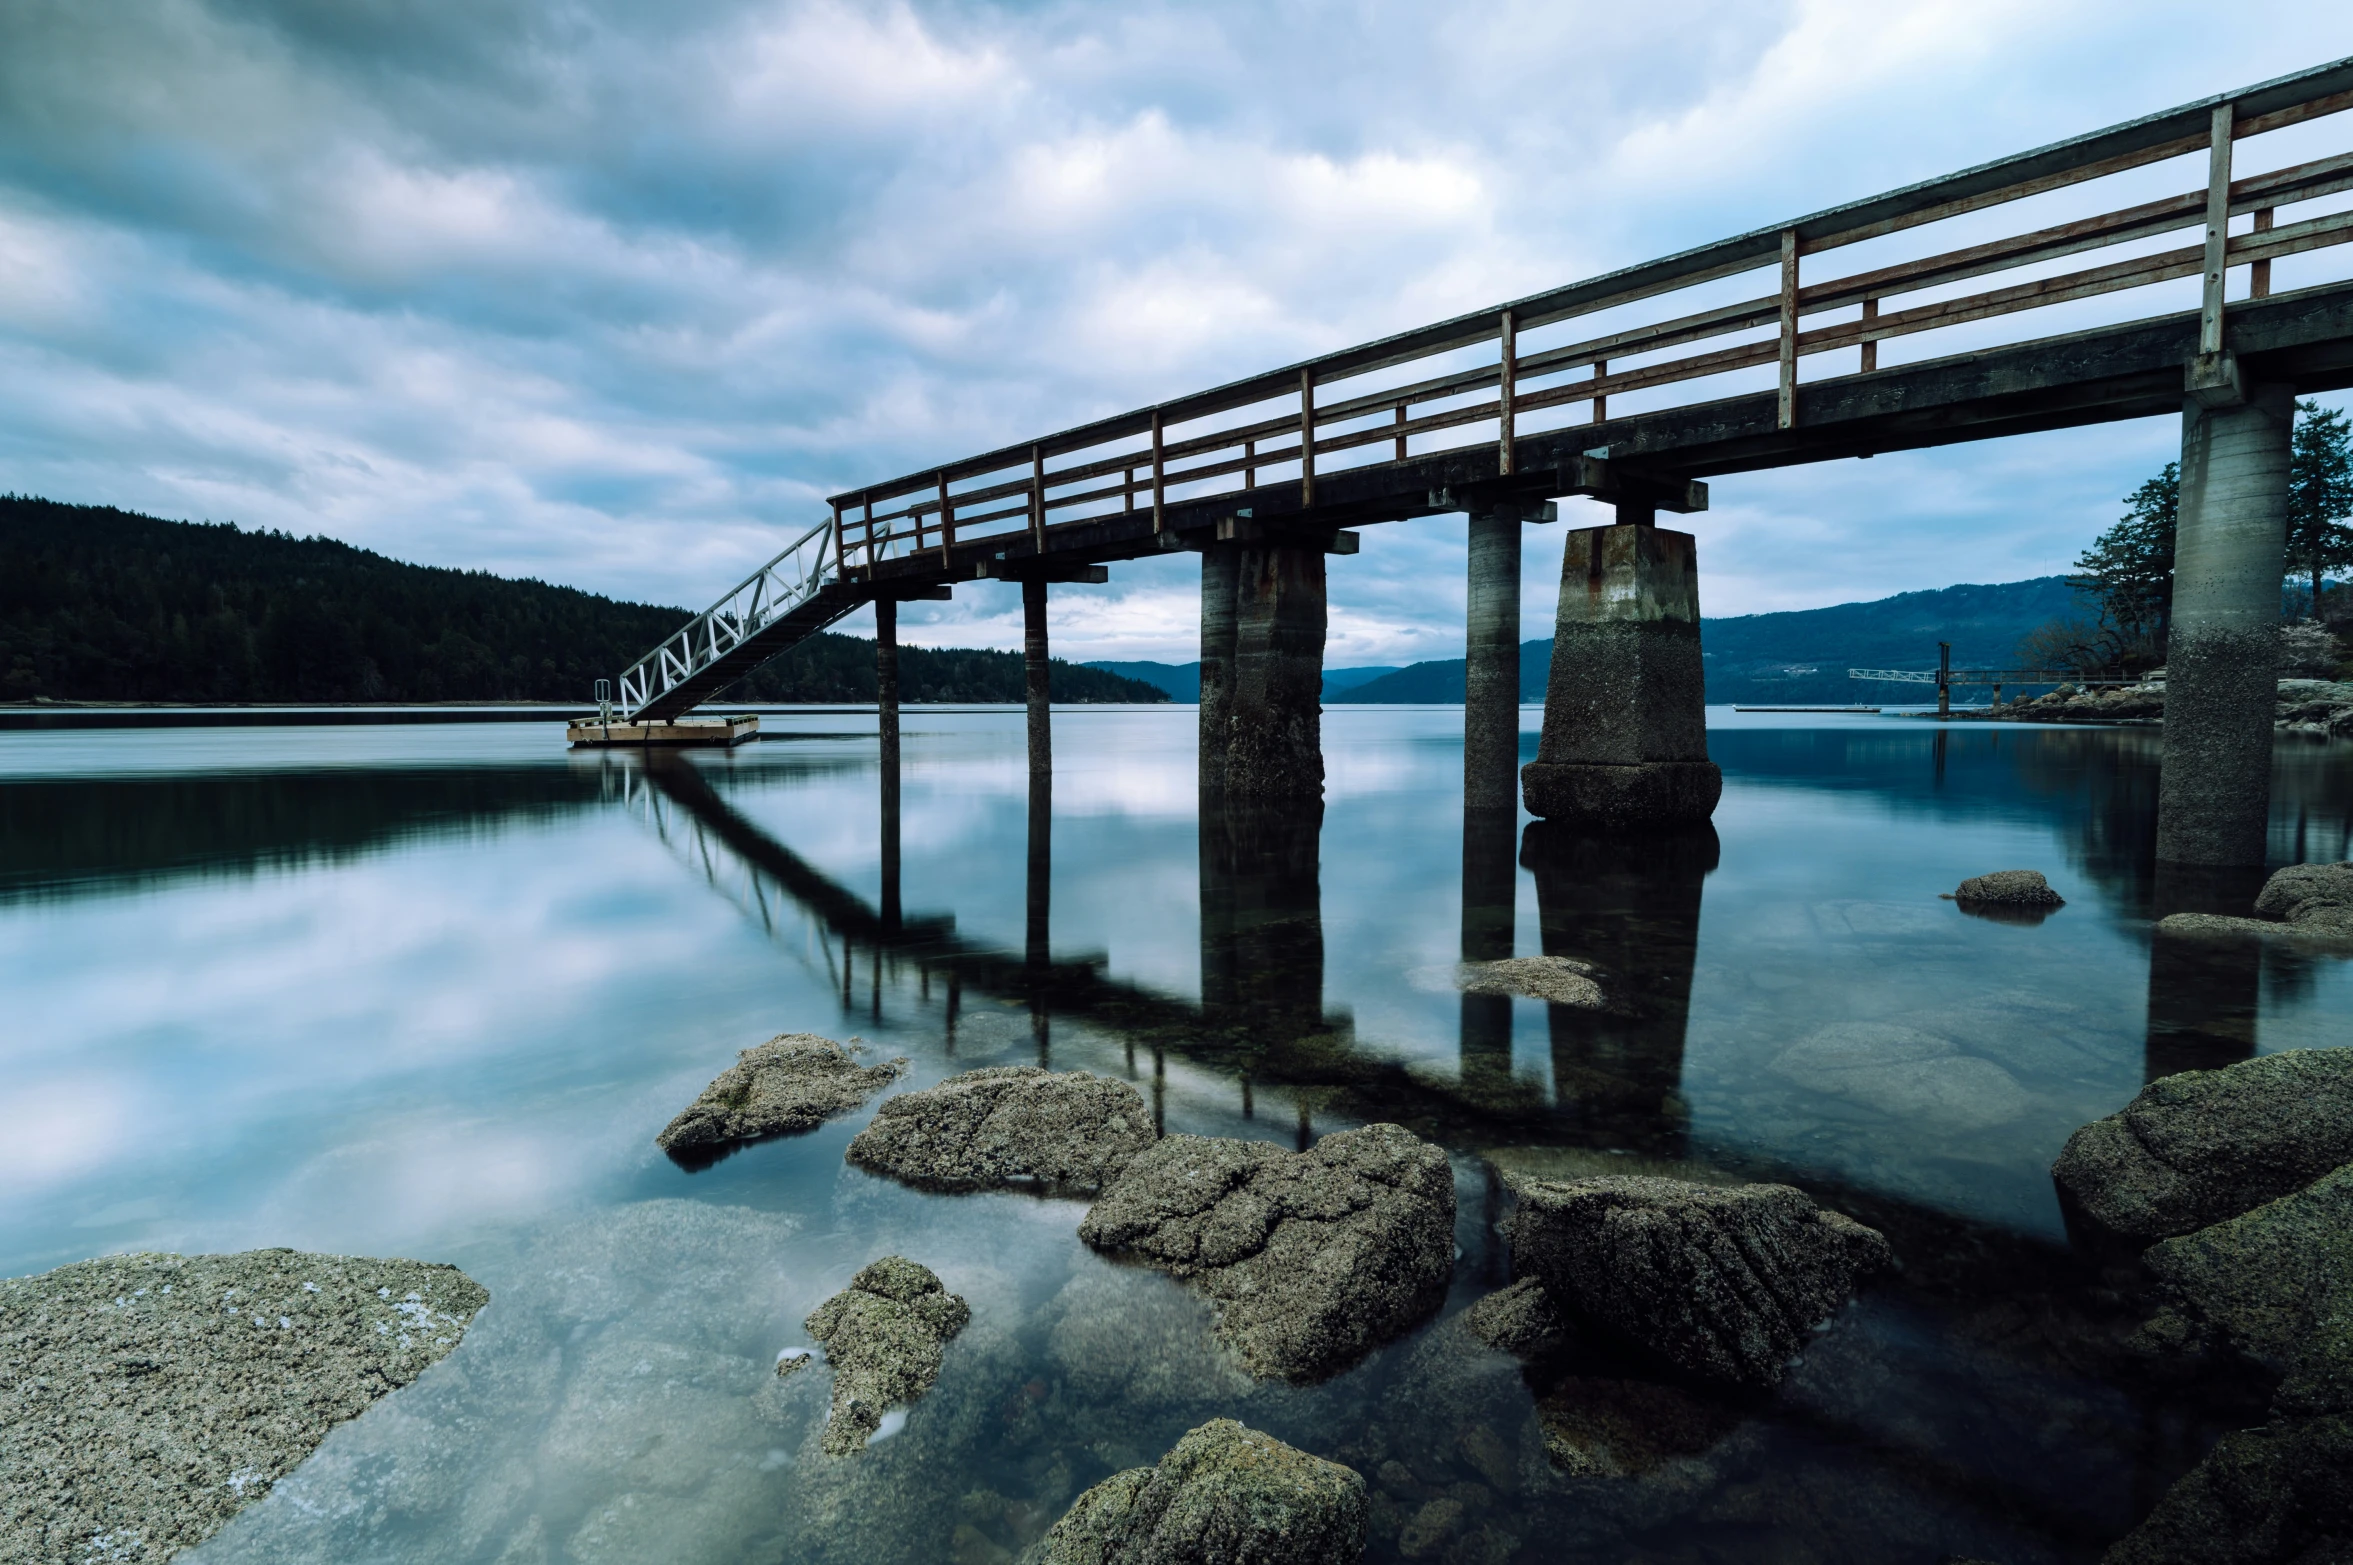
[(1182, 681), (1796, 657)]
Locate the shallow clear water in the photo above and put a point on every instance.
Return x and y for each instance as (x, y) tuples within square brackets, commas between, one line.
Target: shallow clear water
[(431, 990)]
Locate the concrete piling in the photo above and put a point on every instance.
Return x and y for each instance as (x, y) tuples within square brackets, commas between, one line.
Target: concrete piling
[(1490, 886), (1625, 723), (1491, 671), (1220, 580), (1274, 748), (2222, 653)]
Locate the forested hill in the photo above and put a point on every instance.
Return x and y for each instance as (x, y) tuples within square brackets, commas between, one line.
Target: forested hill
[(1802, 655), (98, 604)]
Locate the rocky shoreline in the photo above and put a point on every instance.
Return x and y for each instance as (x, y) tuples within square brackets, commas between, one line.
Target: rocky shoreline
[(2322, 707)]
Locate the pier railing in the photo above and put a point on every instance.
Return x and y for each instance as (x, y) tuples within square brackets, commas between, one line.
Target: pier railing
[(761, 599), (1691, 328)]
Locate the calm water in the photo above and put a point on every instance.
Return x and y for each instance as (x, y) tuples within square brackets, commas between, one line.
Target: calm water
[(432, 990)]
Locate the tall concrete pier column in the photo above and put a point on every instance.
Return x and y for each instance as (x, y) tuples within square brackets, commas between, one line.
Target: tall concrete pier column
[(2222, 653), (1220, 579), (1625, 726), (886, 711), (1274, 748), (1491, 667)]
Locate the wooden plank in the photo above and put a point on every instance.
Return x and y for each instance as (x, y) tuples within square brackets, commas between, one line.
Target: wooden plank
[(2259, 274), (1307, 436), (2217, 231), (1037, 498), (1789, 292), (1159, 475), (1509, 339)]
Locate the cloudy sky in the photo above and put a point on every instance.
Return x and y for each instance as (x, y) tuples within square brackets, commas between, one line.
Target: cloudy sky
[(612, 292)]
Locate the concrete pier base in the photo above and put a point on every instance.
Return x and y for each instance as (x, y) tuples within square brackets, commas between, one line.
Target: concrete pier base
[(1036, 676), (2222, 653), (1625, 724), (1274, 744), (1220, 580), (1491, 668)]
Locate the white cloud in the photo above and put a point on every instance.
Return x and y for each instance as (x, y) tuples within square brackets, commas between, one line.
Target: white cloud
[(616, 298)]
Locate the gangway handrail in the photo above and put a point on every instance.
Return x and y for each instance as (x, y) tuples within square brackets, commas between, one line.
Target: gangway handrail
[(755, 603)]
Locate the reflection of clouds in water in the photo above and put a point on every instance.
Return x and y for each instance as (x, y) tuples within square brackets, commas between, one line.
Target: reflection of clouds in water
[(56, 1129)]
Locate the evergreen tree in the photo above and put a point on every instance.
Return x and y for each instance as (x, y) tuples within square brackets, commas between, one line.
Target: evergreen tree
[(2127, 573), (2320, 496)]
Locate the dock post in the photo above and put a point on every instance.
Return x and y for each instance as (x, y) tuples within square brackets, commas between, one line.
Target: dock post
[(1625, 738), (886, 710), (1491, 670), (1220, 565), (1036, 682), (1274, 748), (2222, 652)]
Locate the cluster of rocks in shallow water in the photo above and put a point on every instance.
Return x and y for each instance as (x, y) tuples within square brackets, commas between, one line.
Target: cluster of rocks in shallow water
[(2244, 1177)]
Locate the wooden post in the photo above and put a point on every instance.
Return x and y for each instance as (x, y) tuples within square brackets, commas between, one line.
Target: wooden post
[(886, 719), (868, 500), (1307, 437), (1789, 328), (1601, 399), (1037, 498), (1250, 464), (947, 519), (1506, 390), (1127, 487), (1401, 428), (1870, 344), (2259, 275), (2217, 228), (1944, 679), (1159, 476), (840, 563)]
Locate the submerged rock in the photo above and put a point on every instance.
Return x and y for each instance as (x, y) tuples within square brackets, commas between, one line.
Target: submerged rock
[(1559, 980), (2279, 1495), (1608, 1428), (2196, 1148), (2010, 888), (145, 1399), (789, 1084), (1225, 1493), (1313, 1258), (1906, 1072), (1005, 1125), (1724, 1284), (883, 1335), (1520, 1320)]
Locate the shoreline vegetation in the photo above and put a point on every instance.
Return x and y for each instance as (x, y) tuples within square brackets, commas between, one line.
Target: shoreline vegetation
[(103, 605)]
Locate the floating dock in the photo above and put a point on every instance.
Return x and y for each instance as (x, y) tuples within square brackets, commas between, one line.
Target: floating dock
[(589, 733)]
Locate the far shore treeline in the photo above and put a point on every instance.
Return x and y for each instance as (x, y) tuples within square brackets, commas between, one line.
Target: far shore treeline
[(98, 604)]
